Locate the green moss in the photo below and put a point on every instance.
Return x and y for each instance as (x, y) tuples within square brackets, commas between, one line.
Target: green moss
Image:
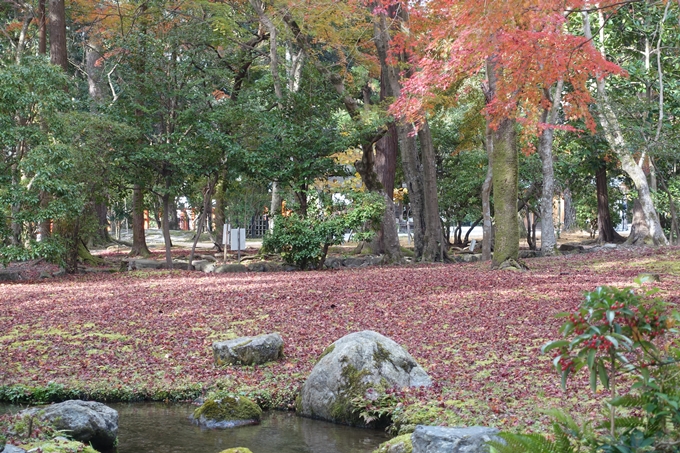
[(236, 450), (381, 354), (59, 446), (342, 410), (408, 252), (229, 408), (327, 351), (404, 440)]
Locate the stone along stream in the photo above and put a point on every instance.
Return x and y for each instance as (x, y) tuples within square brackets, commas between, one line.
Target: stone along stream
[(166, 428)]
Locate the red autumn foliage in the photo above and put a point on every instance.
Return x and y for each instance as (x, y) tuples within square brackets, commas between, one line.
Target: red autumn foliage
[(529, 42), (477, 332)]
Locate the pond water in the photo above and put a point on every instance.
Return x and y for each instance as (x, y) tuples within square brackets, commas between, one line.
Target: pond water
[(166, 428)]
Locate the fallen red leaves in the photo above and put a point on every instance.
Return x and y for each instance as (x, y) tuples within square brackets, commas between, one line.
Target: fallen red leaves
[(476, 331)]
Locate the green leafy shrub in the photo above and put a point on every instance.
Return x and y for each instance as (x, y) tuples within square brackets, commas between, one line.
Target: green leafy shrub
[(53, 249), (614, 335), (304, 241)]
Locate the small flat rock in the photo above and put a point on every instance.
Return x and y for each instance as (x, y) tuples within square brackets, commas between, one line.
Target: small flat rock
[(438, 439), (249, 350)]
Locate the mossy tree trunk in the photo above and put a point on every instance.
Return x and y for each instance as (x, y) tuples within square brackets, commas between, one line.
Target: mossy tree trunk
[(505, 190)]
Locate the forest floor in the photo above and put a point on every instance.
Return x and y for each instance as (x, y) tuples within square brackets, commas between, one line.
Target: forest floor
[(478, 332)]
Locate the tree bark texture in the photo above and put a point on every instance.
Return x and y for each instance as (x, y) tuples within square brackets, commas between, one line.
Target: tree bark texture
[(410, 164), (569, 223), (387, 239), (487, 223), (433, 248), (101, 211), (57, 24), (94, 72), (504, 164), (605, 226), (545, 145), (139, 247), (614, 135), (419, 168), (505, 189)]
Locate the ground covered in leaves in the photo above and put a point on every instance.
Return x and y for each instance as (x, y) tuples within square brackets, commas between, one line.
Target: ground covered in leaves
[(477, 332)]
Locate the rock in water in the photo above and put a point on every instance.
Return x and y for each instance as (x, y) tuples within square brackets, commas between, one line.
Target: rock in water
[(227, 412), (249, 350), (356, 365), (85, 421), (437, 439)]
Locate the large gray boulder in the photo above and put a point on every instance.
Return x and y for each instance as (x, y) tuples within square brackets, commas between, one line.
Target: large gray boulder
[(85, 421), (438, 439), (249, 350), (360, 364), (12, 449)]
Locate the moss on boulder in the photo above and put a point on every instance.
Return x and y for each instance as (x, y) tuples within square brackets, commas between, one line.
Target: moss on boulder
[(227, 412), (236, 450), (399, 444), (354, 370), (58, 445)]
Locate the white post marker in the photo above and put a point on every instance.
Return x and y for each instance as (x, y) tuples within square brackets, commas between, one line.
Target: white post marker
[(472, 245)]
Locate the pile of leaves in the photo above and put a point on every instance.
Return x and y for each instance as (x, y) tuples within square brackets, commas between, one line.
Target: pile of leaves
[(478, 333)]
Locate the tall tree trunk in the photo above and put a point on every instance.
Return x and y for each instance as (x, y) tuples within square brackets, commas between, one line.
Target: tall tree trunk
[(94, 72), (569, 210), (614, 135), (410, 165), (419, 170), (545, 145), (139, 247), (605, 226), (387, 240), (505, 190), (16, 226), (487, 224), (165, 222), (433, 249), (57, 24), (173, 219), (101, 210), (505, 178)]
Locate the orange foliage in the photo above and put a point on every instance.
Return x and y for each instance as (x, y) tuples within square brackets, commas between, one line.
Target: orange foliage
[(451, 40)]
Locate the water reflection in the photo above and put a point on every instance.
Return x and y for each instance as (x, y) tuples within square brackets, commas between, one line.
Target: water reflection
[(166, 428), (162, 428)]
